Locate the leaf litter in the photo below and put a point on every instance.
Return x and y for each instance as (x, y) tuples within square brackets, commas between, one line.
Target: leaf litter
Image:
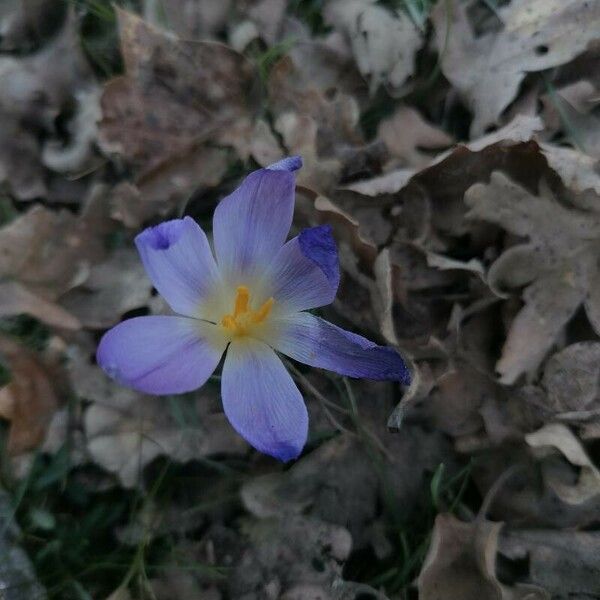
[(453, 147)]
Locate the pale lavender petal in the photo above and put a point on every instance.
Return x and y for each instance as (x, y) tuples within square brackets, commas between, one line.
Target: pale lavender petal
[(315, 342), (180, 263), (161, 355), (305, 272), (251, 224), (290, 163), (262, 402)]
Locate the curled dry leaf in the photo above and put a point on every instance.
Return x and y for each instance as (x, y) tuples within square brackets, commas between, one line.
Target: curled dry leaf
[(461, 564), (563, 242), (559, 437), (36, 90), (535, 35)]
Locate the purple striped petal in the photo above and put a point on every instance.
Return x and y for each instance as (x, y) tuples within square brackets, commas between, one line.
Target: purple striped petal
[(180, 263), (315, 342), (261, 400), (251, 224), (305, 272), (161, 355)]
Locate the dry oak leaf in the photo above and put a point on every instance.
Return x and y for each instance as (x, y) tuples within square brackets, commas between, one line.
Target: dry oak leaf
[(461, 564), (289, 550), (566, 563), (558, 264), (43, 254), (535, 35), (175, 96), (334, 483), (384, 42), (29, 400), (570, 110), (571, 378), (314, 93)]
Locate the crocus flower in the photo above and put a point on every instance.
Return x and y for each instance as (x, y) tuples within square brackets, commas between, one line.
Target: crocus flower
[(249, 300)]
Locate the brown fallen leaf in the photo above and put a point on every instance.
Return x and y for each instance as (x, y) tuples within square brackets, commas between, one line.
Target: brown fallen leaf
[(29, 400), (535, 35), (175, 96), (561, 252), (45, 253)]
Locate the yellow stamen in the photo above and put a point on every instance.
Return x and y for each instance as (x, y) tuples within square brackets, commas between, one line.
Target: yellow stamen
[(263, 312), (242, 299), (243, 317), (228, 322)]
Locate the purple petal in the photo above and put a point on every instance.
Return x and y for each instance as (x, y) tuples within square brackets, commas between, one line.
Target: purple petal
[(305, 272), (179, 261), (290, 163), (161, 355), (251, 224), (262, 402), (315, 342)]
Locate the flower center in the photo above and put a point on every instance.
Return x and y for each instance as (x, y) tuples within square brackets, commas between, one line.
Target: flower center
[(243, 317)]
